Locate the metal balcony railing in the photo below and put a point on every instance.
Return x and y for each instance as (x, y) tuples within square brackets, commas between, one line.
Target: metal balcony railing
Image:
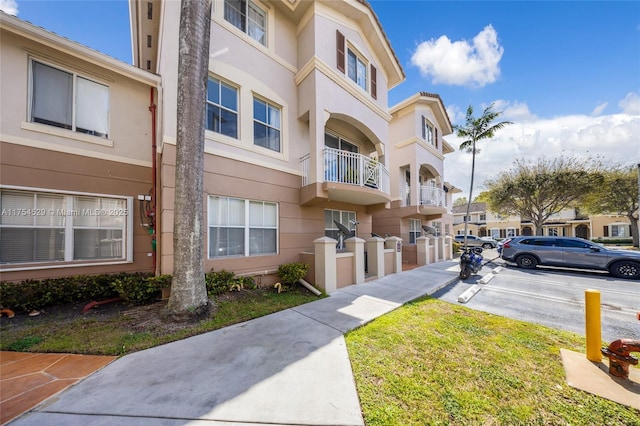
[(431, 195), (349, 168)]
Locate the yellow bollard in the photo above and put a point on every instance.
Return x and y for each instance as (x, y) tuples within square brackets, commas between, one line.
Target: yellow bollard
[(594, 332)]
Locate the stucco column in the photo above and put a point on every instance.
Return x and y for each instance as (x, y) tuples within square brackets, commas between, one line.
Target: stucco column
[(375, 256), (325, 253), (422, 250), (448, 247), (355, 245), (395, 243), (433, 241)]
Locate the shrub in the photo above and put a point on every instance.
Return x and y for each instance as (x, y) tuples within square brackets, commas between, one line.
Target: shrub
[(291, 273), (139, 290), (28, 295), (223, 281)]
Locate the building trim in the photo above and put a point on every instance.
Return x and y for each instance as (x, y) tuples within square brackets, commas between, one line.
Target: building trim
[(54, 41), (71, 150)]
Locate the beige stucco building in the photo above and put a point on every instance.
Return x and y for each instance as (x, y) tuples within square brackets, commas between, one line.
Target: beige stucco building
[(569, 222), (75, 152), (300, 142)]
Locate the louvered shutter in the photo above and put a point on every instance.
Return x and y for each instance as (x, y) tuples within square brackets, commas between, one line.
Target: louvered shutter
[(374, 82), (340, 57), (605, 231)]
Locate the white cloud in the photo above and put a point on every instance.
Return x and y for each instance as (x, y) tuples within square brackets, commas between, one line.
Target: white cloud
[(630, 104), (9, 6), (598, 110), (459, 62), (612, 138)]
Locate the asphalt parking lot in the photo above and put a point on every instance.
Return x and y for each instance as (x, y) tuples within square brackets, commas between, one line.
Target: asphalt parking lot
[(552, 297)]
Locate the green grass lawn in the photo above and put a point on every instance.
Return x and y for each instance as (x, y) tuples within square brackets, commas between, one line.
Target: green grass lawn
[(137, 328), (431, 362)]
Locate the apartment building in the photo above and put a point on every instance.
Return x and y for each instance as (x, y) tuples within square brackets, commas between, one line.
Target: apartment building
[(76, 151), (299, 138), (569, 222), (300, 143)]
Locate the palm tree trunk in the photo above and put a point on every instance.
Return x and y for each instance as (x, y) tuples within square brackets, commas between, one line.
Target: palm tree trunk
[(473, 169), (188, 289)]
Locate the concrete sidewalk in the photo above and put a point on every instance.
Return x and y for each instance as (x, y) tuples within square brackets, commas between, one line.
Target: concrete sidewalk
[(287, 368)]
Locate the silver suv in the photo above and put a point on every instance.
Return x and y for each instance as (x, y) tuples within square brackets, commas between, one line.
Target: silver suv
[(570, 252), (473, 241)]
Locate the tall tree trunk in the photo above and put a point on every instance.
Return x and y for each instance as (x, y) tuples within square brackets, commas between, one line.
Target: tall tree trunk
[(473, 169), (188, 289), (634, 229)]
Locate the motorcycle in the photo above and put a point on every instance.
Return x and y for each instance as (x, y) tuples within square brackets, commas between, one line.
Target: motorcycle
[(470, 261)]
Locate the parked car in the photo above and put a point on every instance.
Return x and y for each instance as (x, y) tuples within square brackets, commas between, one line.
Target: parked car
[(473, 241), (571, 252)]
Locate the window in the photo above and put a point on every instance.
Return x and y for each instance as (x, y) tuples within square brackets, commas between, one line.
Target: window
[(415, 230), (342, 217), (438, 228), (427, 131), (356, 69), (495, 233), (222, 108), (483, 217), (66, 100), (619, 230), (266, 125), (511, 232), (52, 227), (248, 18), (242, 227), (552, 232)]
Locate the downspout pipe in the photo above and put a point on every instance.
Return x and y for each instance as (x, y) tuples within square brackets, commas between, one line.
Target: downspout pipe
[(153, 109)]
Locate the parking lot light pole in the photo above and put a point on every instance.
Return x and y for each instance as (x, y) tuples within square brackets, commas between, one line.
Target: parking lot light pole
[(592, 320)]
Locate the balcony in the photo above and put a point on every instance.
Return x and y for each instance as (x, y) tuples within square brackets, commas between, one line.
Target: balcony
[(432, 200), (348, 177)]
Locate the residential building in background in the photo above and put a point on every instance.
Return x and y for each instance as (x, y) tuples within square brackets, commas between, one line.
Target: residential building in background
[(569, 222)]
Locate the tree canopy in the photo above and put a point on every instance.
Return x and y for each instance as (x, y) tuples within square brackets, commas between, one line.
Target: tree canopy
[(536, 190), (619, 194)]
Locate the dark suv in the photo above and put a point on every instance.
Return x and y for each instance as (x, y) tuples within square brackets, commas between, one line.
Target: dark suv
[(570, 252)]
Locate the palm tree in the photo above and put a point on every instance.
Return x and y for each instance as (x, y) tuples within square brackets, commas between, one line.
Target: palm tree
[(188, 290), (473, 131)]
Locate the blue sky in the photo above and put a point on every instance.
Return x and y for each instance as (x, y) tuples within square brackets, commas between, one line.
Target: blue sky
[(567, 73)]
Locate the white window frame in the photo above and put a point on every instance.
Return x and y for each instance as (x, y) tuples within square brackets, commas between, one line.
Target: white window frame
[(415, 230), (510, 232), (222, 107), (495, 233), (248, 25), (270, 124), (331, 230), (617, 226), (428, 132), (356, 70), (246, 223), (67, 213), (76, 111)]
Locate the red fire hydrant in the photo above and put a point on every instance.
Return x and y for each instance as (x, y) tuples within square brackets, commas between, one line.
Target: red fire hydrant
[(619, 354)]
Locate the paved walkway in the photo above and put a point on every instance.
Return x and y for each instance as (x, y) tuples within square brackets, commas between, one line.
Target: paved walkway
[(287, 368)]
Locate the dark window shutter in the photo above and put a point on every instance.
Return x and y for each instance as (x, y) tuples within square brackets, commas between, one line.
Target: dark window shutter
[(435, 129), (340, 50), (374, 82), (605, 231)]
